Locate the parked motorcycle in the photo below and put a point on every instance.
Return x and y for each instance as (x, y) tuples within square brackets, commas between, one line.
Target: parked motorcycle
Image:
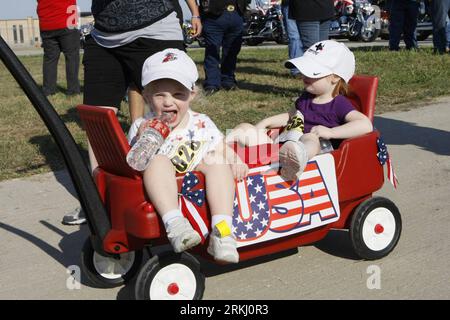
[(85, 30), (264, 25), (356, 20), (188, 32)]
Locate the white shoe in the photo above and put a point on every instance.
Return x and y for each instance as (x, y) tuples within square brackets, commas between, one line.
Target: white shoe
[(181, 235), (223, 249), (293, 160)]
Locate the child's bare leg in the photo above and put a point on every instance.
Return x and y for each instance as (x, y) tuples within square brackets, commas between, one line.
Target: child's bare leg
[(220, 195), (295, 155), (161, 186), (247, 134)]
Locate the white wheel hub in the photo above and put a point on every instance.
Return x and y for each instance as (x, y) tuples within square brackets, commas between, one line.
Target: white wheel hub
[(113, 268), (378, 229), (173, 282)]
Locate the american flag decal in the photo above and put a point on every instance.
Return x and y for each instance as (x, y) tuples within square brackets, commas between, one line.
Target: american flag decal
[(268, 207)]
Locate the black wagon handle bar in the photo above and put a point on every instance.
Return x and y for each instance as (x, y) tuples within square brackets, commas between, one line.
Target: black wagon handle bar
[(97, 218)]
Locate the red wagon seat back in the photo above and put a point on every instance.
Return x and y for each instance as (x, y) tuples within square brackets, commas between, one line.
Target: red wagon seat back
[(107, 139), (363, 94)]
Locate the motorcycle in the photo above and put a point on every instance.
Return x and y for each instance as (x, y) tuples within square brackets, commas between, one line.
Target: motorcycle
[(356, 20), (85, 30), (264, 25), (187, 35)]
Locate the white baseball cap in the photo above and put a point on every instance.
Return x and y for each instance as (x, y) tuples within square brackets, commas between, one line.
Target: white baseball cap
[(170, 64), (324, 58)]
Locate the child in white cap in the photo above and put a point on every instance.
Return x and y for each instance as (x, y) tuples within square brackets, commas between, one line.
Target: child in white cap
[(195, 143), (322, 110)]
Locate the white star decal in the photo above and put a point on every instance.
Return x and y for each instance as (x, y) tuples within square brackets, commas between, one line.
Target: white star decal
[(264, 222), (261, 205), (252, 198), (258, 188), (242, 236), (249, 225)]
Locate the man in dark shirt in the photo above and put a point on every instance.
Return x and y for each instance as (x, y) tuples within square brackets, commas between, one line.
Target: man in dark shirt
[(222, 28)]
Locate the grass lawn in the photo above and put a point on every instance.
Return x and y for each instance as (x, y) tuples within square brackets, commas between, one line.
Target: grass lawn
[(407, 79)]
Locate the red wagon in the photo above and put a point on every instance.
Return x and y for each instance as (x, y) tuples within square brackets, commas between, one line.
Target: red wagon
[(271, 215)]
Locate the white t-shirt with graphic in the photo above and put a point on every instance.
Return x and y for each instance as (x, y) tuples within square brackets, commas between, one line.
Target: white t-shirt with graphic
[(185, 147)]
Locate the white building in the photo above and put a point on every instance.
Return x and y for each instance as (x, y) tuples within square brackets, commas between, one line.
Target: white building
[(25, 32)]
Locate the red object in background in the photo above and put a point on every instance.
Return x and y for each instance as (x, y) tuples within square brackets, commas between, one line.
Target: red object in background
[(57, 14)]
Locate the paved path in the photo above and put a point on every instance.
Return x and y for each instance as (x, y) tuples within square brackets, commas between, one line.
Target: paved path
[(36, 249)]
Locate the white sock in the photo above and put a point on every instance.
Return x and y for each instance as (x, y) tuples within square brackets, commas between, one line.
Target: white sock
[(171, 215), (215, 219)]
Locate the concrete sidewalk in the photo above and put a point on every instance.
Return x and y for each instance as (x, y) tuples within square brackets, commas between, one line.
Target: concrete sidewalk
[(37, 248)]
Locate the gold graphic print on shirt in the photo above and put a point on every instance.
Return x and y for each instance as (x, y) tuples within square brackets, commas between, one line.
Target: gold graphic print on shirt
[(296, 123), (185, 154)]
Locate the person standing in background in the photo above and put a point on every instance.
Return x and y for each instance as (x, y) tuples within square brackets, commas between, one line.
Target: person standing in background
[(295, 46), (58, 24), (440, 11), (223, 28), (313, 19), (403, 20)]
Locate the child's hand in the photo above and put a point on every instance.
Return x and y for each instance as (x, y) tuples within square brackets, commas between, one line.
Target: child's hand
[(322, 132), (240, 170)]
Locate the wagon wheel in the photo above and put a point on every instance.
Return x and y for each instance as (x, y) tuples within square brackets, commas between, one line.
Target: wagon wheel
[(170, 277), (375, 228), (109, 271)]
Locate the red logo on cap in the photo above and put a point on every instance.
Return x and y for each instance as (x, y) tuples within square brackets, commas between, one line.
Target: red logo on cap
[(169, 57)]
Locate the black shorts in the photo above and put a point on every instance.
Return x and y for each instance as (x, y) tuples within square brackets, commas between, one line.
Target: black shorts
[(108, 72)]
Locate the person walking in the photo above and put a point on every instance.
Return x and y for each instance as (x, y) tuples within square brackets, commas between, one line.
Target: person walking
[(58, 24), (223, 27), (403, 20), (313, 19)]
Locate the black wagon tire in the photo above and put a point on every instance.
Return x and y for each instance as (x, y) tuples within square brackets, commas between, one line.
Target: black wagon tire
[(170, 276), (375, 228), (109, 271)]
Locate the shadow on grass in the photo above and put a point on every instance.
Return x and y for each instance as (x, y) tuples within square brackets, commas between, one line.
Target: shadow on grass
[(402, 133), (265, 72), (268, 89), (63, 90)]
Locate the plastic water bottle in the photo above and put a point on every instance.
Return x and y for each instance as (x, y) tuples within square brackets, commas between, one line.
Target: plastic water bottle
[(145, 148), (325, 146)]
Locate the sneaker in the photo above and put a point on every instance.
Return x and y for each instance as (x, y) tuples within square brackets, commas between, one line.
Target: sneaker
[(181, 235), (293, 160), (75, 217), (223, 249)]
